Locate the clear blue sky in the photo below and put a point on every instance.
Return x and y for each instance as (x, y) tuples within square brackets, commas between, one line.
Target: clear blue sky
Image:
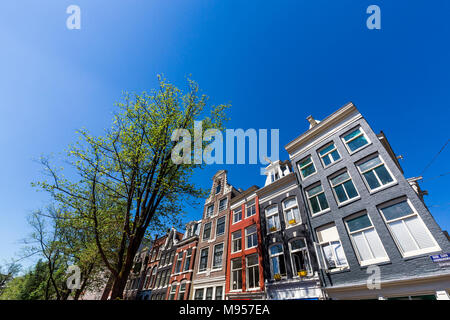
[(275, 61)]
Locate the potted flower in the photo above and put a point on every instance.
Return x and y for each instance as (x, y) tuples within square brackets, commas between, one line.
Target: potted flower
[(302, 273), (273, 229), (292, 221)]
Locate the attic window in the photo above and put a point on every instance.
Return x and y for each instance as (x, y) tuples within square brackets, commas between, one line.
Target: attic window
[(218, 188)]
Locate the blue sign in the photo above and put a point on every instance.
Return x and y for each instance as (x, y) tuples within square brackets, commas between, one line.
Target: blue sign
[(440, 257)]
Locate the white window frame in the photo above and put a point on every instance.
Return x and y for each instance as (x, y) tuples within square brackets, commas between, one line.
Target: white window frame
[(247, 271), (249, 205), (382, 186), (275, 216), (221, 208), (200, 260), (215, 268), (181, 292), (251, 234), (304, 249), (173, 292), (238, 239), (210, 231), (215, 292), (187, 260), (232, 270), (310, 164), (277, 255), (363, 132), (224, 225), (358, 196), (363, 230), (329, 243), (212, 211), (414, 213), (328, 153), (286, 211), (308, 197), (235, 213), (179, 262)]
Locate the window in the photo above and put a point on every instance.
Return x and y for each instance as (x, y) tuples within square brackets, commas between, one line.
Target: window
[(252, 271), (236, 274), (219, 291), (182, 290), (251, 237), (218, 187), (187, 261), (273, 221), (329, 154), (223, 204), (277, 264), (291, 212), (408, 230), (331, 246), (220, 227), (209, 211), (203, 260), (198, 294), (316, 200), (236, 241), (217, 258), (343, 188), (172, 256), (209, 293), (153, 279), (179, 262), (366, 241), (207, 231), (173, 291), (375, 173), (158, 279), (163, 260), (301, 265), (250, 209), (355, 140), (237, 215), (306, 167)]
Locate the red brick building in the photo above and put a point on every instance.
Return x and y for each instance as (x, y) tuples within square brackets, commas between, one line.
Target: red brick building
[(244, 276), (183, 265)]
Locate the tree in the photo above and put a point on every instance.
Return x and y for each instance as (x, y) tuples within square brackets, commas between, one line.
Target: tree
[(7, 273), (127, 179)]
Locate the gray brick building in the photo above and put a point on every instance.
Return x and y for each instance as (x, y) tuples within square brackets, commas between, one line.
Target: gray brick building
[(364, 213)]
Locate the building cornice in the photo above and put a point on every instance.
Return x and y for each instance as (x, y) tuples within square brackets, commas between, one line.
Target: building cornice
[(275, 186)]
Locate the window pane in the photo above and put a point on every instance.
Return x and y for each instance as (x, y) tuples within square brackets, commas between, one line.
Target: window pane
[(218, 293), (335, 155), (402, 235), (314, 205), (361, 246), (342, 177), (328, 255), (272, 210), (308, 170), (375, 244), (371, 180), (276, 249), (323, 201), (300, 260), (339, 251), (357, 143), (305, 162), (370, 164), (397, 210), (282, 270), (314, 191), (326, 149), (297, 244), (359, 223), (383, 174), (419, 232), (209, 293), (352, 134), (290, 202), (326, 160), (340, 193), (350, 188)]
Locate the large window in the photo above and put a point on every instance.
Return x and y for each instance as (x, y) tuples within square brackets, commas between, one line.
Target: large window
[(203, 260), (272, 219), (236, 241), (277, 264), (187, 261), (217, 258), (173, 291), (250, 209), (219, 291), (343, 188), (375, 173), (172, 256), (182, 290), (331, 246), (179, 262), (199, 294), (236, 274), (251, 237), (223, 204), (207, 231), (306, 167), (209, 293), (409, 231), (210, 210), (316, 200), (366, 241), (329, 154), (252, 271), (153, 279), (158, 280), (301, 265), (220, 226), (237, 215), (291, 212), (355, 140)]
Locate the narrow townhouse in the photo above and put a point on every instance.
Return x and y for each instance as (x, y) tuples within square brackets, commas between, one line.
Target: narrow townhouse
[(289, 258), (374, 235), (165, 257), (244, 276), (183, 266), (210, 261), (134, 287)]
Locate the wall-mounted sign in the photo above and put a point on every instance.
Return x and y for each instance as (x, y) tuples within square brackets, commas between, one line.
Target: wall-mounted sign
[(440, 257)]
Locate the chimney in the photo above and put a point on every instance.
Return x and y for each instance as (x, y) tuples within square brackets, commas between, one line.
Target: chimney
[(312, 121)]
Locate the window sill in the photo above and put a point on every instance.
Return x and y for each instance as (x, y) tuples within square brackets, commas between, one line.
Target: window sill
[(307, 177), (342, 204), (382, 187), (357, 150), (318, 214), (421, 253), (217, 269), (331, 164), (338, 270), (374, 262)]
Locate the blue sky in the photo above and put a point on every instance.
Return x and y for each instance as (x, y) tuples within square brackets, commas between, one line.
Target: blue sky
[(276, 62)]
